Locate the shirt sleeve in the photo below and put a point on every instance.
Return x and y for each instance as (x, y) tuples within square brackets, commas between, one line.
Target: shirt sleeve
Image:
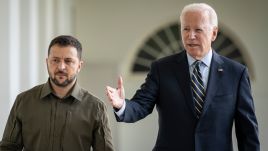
[(102, 140), (12, 137)]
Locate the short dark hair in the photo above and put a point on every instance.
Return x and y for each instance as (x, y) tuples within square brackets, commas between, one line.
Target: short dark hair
[(66, 40)]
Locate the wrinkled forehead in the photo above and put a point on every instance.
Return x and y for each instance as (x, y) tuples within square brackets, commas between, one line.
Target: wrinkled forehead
[(195, 12), (194, 18), (59, 51)]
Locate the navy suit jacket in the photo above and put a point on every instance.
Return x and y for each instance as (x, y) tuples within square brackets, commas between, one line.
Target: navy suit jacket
[(228, 100)]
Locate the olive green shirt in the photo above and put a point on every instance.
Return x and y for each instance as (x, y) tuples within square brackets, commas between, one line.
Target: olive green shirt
[(40, 121)]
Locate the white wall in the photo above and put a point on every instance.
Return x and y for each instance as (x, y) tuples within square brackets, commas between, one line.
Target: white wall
[(112, 31)]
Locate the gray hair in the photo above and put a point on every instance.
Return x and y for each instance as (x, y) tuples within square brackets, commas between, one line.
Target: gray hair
[(201, 7)]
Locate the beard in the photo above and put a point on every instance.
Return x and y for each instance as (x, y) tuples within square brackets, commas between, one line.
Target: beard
[(64, 83)]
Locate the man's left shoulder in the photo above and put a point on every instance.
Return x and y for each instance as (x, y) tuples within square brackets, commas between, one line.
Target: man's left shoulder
[(89, 98), (232, 63)]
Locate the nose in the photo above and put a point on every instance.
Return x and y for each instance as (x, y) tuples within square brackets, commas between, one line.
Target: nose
[(192, 35), (61, 65)]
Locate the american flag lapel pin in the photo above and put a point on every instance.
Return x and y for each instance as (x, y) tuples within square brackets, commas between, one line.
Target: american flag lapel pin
[(220, 70)]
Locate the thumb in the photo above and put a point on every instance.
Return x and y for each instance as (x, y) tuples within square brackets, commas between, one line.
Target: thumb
[(120, 87), (120, 82)]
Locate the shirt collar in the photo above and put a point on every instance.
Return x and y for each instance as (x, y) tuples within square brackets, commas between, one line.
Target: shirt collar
[(206, 60), (76, 91)]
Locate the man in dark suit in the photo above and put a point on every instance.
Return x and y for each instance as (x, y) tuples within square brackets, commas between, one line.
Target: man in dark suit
[(198, 94)]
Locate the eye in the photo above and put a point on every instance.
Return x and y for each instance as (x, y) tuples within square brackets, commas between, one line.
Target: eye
[(68, 61), (198, 30), (55, 60), (186, 29)]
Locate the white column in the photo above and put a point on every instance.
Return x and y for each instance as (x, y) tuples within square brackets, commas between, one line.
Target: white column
[(28, 44), (46, 33), (33, 41), (13, 49), (4, 64)]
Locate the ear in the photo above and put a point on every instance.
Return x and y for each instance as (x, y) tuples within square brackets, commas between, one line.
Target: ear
[(81, 62), (214, 33)]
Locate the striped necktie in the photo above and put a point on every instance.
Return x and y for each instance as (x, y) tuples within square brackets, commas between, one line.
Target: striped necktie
[(198, 89)]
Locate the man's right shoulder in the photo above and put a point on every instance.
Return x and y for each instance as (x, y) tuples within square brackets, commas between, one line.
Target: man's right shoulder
[(34, 91), (28, 96), (171, 58)]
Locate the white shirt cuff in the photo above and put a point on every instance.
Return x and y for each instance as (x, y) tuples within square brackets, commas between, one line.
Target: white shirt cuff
[(122, 110)]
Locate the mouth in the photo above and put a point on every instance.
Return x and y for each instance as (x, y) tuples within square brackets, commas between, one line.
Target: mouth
[(61, 74), (193, 45)]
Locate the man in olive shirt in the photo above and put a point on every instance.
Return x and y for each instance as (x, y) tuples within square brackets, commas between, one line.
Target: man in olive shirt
[(58, 115)]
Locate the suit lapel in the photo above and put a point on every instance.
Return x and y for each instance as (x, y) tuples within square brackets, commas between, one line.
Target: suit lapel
[(181, 70), (216, 71)]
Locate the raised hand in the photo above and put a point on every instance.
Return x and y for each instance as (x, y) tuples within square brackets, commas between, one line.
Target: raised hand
[(116, 96)]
